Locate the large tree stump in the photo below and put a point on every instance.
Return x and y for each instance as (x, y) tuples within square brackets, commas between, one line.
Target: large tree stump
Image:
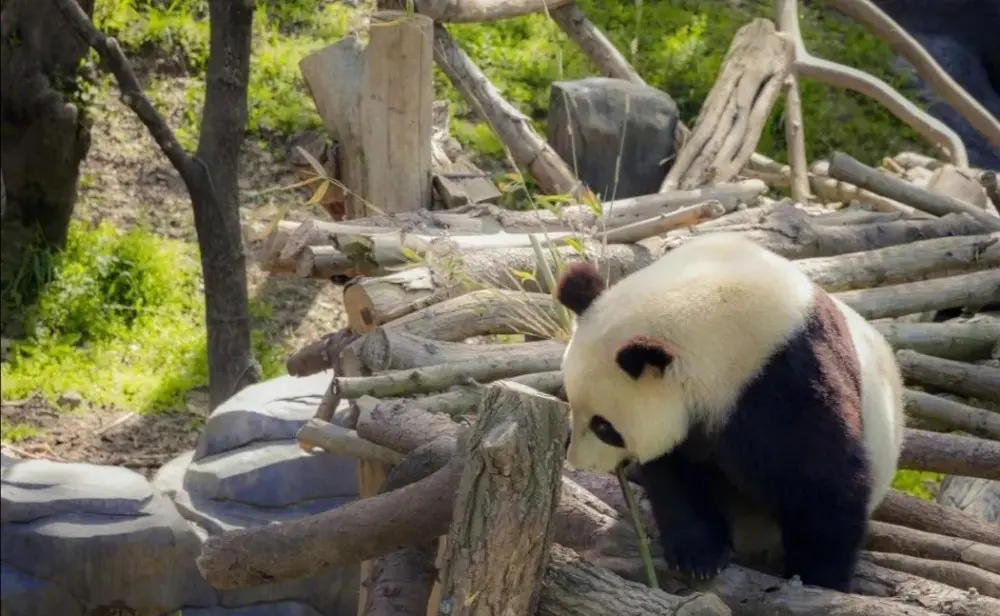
[(733, 116), (375, 99), (502, 528)]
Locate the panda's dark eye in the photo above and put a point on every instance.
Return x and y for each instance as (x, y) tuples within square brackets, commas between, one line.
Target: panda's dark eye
[(603, 429)]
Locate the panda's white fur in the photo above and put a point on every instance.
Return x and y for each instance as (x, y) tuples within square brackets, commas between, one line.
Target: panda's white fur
[(722, 306)]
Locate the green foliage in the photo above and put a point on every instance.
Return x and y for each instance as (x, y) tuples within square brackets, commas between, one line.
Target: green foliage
[(15, 432), (921, 484), (120, 320)]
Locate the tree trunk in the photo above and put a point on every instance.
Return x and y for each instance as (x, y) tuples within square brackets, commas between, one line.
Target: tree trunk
[(43, 136), (231, 364)]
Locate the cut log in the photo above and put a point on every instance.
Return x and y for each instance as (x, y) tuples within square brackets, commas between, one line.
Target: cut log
[(375, 98), (956, 575), (961, 341), (501, 528), (910, 262), (734, 113), (319, 355), (951, 454), (969, 380), (394, 349), (872, 579), (978, 288), (844, 167), (979, 498), (787, 17), (344, 442), (883, 537), (905, 510), (464, 400), (959, 184), (684, 217), (481, 313), (953, 415), (794, 234)]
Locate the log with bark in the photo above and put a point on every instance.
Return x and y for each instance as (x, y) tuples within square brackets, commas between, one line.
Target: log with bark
[(970, 380)]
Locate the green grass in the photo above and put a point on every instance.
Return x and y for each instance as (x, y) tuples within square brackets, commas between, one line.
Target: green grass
[(922, 484), (120, 320)]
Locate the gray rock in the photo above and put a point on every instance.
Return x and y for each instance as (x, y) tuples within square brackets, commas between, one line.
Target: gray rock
[(225, 492), (270, 410), (25, 595), (70, 399), (598, 120), (271, 474), (287, 608), (100, 534)]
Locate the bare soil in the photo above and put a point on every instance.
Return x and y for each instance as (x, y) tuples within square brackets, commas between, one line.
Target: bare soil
[(126, 180)]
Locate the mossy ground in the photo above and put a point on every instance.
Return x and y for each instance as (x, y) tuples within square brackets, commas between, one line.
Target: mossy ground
[(120, 316)]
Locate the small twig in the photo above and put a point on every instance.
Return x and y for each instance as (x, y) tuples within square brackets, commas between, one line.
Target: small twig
[(114, 424), (640, 528)]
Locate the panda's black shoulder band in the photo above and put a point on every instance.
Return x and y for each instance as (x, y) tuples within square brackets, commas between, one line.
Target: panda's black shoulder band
[(579, 286)]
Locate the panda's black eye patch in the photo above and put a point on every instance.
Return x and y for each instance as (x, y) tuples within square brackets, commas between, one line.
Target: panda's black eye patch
[(603, 429)]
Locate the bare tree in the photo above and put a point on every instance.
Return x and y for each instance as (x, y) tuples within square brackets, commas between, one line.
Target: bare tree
[(210, 175), (43, 135)]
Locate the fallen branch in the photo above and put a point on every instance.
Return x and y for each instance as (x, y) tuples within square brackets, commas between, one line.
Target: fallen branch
[(950, 454), (512, 127), (683, 217), (902, 509), (961, 341), (978, 288), (953, 415), (968, 380), (341, 441), (844, 167), (501, 528), (872, 579), (884, 537), (319, 355), (433, 379), (734, 113), (464, 400), (957, 575), (787, 17), (918, 260)]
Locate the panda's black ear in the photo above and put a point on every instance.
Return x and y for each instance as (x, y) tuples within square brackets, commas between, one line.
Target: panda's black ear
[(639, 352), (578, 287)]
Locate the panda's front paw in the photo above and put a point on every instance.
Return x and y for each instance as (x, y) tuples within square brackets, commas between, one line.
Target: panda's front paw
[(696, 552)]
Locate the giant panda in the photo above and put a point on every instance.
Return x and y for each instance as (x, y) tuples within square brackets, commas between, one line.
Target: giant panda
[(750, 399)]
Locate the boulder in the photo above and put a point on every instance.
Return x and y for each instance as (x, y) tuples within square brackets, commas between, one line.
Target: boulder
[(100, 534), (618, 135)]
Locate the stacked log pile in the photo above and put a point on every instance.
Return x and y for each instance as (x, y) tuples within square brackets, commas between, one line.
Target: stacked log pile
[(447, 388)]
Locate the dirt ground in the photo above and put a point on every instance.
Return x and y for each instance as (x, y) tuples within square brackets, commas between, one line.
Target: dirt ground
[(127, 180)]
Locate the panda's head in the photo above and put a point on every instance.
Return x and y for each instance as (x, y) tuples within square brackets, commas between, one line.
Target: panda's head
[(624, 401)]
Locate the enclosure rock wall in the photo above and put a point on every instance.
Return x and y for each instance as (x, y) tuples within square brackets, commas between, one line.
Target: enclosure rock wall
[(78, 537)]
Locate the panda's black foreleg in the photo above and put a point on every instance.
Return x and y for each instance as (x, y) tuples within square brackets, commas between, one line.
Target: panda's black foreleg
[(694, 529)]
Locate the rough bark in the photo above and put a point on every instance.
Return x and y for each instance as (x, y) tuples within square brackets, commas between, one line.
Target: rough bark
[(910, 262), (787, 17), (733, 116), (977, 289), (394, 349), (872, 579), (574, 587), (210, 177), (884, 537), (501, 528), (844, 167), (905, 510), (794, 234), (43, 135), (969, 380), (344, 442), (961, 341), (319, 355), (953, 415), (956, 575), (951, 454)]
